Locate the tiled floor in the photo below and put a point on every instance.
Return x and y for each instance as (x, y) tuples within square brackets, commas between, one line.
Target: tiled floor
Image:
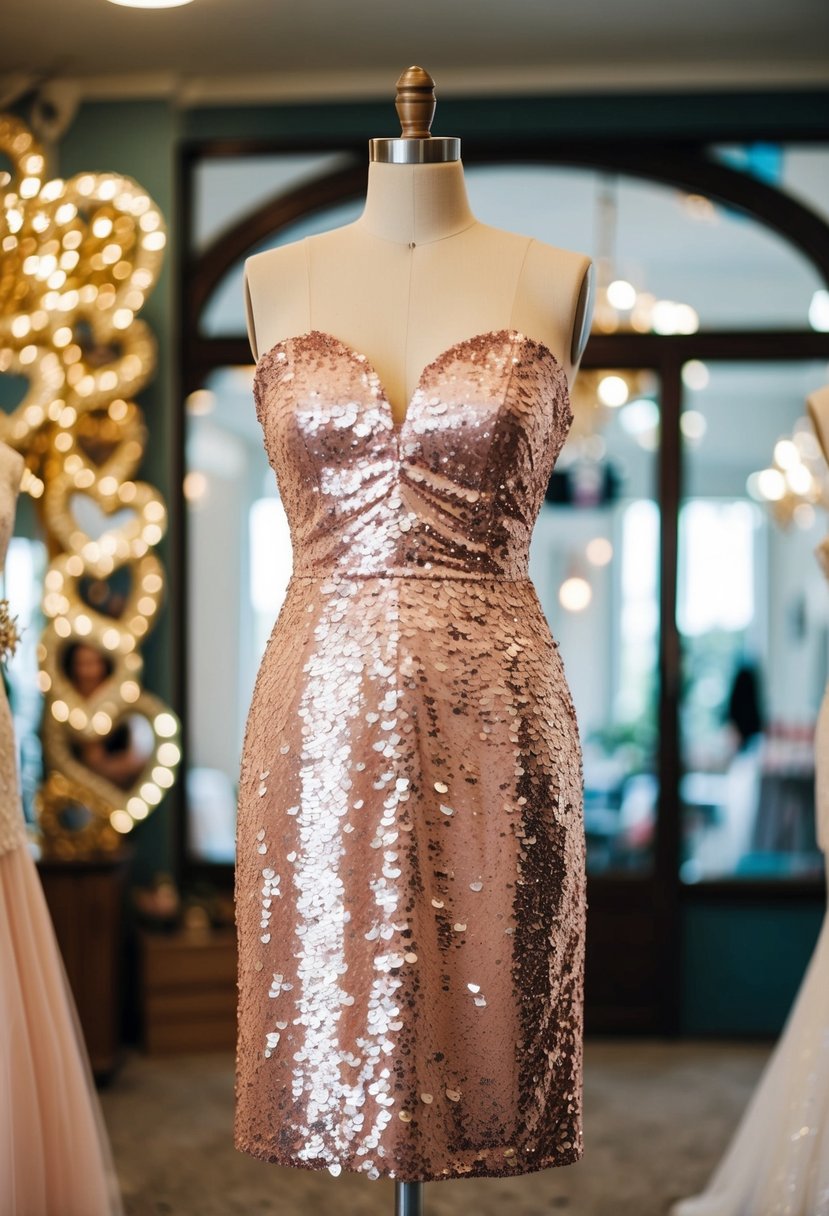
[(657, 1116)]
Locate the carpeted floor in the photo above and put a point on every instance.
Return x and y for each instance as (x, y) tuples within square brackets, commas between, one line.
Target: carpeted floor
[(657, 1117)]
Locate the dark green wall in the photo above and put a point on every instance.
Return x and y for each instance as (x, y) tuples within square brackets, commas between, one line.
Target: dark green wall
[(743, 963), (139, 139)]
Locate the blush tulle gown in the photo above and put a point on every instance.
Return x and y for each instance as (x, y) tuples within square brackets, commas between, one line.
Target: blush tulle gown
[(54, 1153)]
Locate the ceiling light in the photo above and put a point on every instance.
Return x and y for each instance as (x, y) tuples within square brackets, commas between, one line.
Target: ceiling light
[(599, 551), (612, 391), (150, 3), (786, 453), (693, 425), (621, 294), (695, 374), (575, 594), (819, 311), (771, 484)]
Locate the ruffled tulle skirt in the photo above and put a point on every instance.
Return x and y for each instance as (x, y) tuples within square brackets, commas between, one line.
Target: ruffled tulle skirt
[(777, 1163), (54, 1152)]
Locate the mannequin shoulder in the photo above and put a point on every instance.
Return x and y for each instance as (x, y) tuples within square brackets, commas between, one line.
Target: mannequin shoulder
[(274, 282), (561, 283), (556, 266), (268, 271)]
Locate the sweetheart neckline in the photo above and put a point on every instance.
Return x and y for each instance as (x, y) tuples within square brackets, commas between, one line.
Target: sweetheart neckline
[(399, 429)]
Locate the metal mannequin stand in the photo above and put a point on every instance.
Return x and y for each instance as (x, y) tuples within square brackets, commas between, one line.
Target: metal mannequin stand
[(408, 1199), (415, 104)]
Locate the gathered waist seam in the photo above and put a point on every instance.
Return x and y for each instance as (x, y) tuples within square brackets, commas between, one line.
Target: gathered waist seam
[(435, 578)]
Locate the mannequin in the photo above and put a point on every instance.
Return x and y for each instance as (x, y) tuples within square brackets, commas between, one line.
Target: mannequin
[(415, 274)]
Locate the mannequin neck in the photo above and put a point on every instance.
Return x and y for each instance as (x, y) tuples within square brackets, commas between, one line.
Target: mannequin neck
[(415, 204)]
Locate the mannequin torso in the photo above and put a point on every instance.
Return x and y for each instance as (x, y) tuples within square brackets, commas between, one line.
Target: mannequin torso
[(415, 274)]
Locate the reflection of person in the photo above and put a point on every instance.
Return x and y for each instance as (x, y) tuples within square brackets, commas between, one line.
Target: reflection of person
[(121, 755), (104, 598), (744, 713), (728, 842), (118, 756), (86, 667)]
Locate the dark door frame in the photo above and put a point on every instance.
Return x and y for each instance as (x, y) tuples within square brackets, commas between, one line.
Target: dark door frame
[(633, 969)]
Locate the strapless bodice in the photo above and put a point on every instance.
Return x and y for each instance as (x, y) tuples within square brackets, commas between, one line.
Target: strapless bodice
[(452, 491)]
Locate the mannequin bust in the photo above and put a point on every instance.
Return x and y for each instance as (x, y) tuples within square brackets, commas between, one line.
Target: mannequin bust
[(416, 273)]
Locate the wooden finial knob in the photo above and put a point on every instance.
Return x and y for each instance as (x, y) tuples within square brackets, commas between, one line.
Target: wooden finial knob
[(415, 103)]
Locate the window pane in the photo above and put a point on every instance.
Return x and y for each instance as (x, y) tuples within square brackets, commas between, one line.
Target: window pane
[(230, 497), (752, 609), (672, 246), (595, 562)]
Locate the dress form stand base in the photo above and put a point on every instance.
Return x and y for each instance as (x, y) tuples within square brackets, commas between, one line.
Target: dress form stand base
[(408, 1199)]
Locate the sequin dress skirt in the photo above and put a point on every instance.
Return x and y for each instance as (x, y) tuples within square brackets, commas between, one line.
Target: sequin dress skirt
[(410, 865)]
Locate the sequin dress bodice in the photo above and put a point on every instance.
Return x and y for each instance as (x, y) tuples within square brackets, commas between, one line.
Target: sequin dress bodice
[(454, 489)]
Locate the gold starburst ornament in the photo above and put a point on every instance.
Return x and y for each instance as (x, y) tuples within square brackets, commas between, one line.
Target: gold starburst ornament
[(9, 633)]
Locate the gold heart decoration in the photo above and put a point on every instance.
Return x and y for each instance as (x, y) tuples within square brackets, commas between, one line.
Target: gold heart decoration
[(79, 258), (137, 505), (74, 819), (152, 733), (106, 443), (75, 623), (42, 403)]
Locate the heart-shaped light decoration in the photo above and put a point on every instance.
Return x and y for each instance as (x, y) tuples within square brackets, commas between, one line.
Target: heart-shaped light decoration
[(137, 531), (105, 445), (79, 258), (157, 773), (60, 798), (116, 638)]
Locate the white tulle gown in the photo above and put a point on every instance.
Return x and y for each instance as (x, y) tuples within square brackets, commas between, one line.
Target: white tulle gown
[(54, 1153), (777, 1163)]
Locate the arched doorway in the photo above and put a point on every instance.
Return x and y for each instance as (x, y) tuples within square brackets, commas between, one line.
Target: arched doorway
[(650, 794)]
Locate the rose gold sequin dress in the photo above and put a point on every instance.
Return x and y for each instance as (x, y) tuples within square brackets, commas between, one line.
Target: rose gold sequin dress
[(410, 868)]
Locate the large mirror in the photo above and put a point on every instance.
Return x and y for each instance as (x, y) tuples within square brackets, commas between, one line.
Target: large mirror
[(650, 501), (667, 244)]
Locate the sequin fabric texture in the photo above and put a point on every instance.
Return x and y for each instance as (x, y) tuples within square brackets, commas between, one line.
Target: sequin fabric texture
[(410, 883)]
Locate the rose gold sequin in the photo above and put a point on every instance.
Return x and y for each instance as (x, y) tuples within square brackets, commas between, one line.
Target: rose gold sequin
[(418, 756)]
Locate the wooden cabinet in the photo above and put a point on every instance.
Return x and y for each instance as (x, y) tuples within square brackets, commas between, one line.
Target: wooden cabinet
[(85, 900), (188, 986)]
